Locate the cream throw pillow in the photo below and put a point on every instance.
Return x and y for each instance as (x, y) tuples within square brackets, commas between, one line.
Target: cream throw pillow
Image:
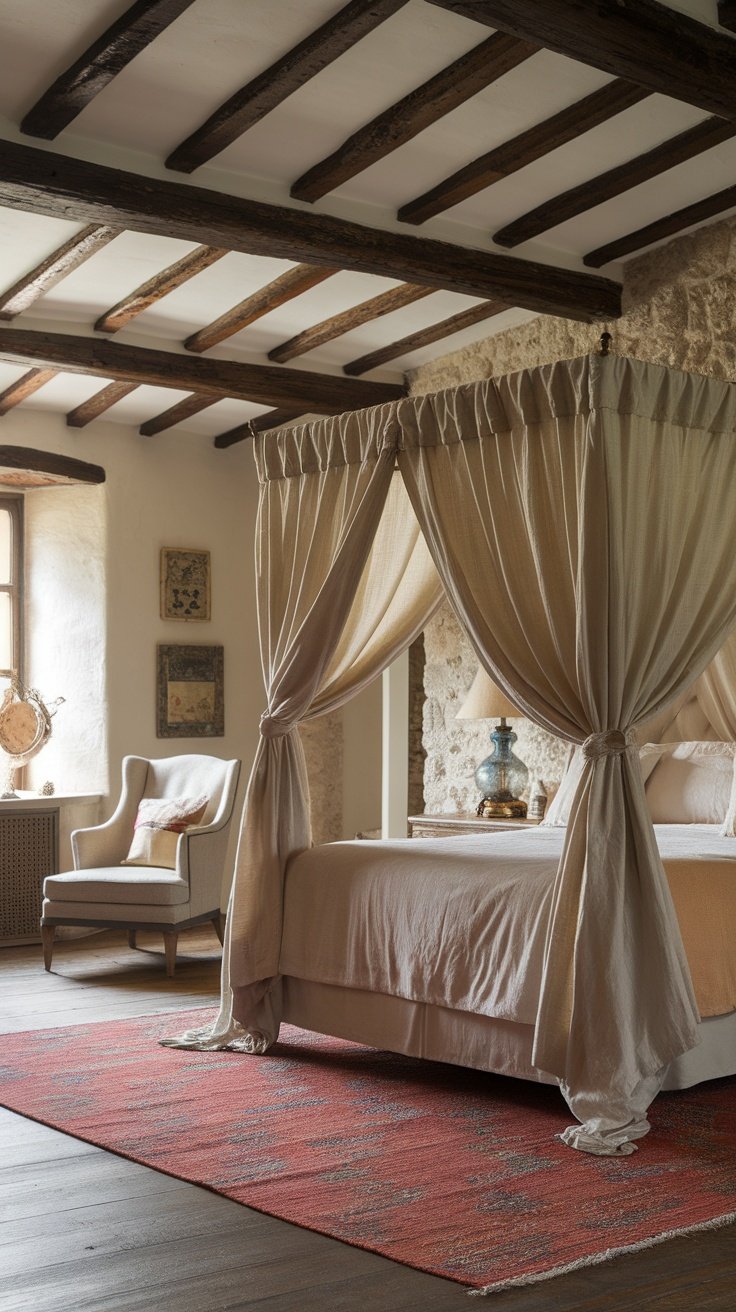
[(158, 824)]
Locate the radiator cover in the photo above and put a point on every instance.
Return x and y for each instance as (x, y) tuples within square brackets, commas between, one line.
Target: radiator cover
[(29, 850)]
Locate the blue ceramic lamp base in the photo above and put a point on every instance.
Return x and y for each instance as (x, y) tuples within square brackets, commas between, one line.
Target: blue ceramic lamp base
[(501, 778)]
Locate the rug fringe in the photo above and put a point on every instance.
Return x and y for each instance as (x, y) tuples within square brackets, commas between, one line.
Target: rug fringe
[(596, 1259)]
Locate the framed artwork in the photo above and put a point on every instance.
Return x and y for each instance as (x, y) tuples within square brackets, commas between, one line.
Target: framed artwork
[(190, 692), (185, 584)]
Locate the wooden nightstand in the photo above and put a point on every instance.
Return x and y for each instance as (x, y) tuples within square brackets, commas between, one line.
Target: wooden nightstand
[(444, 826)]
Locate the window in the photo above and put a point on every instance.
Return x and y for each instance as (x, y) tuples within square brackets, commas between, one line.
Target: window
[(11, 588)]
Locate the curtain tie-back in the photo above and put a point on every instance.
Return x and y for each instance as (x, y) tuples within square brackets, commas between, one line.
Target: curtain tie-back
[(272, 727), (611, 743)]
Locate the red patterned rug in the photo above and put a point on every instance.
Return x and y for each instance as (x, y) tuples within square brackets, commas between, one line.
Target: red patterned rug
[(452, 1171)]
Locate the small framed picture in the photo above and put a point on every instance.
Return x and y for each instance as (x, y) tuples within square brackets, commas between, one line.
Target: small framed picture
[(190, 692), (185, 584)]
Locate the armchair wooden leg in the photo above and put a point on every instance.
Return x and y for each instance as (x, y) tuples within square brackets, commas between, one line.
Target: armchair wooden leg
[(48, 933), (131, 938), (219, 923), (170, 938)]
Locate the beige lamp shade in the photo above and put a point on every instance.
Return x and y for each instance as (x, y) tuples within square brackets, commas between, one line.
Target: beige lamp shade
[(485, 701)]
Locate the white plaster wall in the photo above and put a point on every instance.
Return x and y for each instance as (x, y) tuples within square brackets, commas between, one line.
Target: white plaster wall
[(174, 490)]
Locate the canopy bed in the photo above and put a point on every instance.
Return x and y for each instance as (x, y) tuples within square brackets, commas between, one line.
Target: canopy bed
[(580, 517)]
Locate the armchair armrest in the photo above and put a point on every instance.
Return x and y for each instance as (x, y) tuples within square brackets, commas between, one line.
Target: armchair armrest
[(99, 846), (107, 844)]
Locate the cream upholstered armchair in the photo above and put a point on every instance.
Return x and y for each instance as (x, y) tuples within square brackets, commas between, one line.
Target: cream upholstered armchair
[(183, 890)]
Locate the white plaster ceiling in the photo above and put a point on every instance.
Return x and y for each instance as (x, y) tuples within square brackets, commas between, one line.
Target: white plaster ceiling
[(215, 47)]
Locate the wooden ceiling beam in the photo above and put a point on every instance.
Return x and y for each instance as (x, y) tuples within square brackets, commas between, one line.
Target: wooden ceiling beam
[(522, 150), (282, 289), (413, 113), (259, 96), (99, 403), (33, 285), (643, 41), (727, 14), (157, 287), (704, 136), (43, 182), (262, 384), (669, 226), (24, 387), (105, 58), (424, 337), (326, 331), (177, 414), (273, 419), (28, 460)]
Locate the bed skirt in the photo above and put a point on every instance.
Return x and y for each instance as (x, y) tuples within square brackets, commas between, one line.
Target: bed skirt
[(461, 1038)]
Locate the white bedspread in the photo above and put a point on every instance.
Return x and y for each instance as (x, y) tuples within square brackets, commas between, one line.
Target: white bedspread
[(458, 922)]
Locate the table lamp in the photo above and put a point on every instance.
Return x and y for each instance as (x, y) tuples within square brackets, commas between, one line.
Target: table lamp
[(502, 776)]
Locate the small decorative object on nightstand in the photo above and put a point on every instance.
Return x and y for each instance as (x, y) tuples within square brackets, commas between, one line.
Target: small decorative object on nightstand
[(537, 801), (502, 776)]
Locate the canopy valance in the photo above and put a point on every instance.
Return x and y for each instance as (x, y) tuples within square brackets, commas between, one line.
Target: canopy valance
[(580, 517)]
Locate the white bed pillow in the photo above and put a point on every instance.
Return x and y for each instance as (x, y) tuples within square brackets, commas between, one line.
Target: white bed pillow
[(558, 811), (692, 783), (695, 784)]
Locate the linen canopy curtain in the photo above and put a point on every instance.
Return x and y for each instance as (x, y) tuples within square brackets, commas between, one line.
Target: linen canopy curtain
[(580, 517), (344, 584)]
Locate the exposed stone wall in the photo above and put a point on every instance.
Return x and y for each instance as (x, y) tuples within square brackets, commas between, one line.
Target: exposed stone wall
[(455, 747), (679, 310), (417, 750)]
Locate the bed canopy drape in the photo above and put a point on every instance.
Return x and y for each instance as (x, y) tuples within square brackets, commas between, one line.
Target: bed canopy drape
[(580, 518)]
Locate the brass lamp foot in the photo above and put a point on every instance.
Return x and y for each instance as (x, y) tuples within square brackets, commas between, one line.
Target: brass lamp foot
[(514, 809)]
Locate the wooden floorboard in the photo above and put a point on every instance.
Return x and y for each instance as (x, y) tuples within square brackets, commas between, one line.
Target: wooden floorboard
[(82, 1230)]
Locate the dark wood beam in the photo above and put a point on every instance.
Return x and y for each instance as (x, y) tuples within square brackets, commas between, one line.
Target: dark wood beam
[(275, 293), (26, 458), (274, 419), (46, 183), (97, 405), (157, 287), (50, 271), (727, 14), (641, 40), (105, 58), (424, 337), (415, 112), (176, 414), (685, 146), (394, 299), (262, 384), (24, 387), (523, 149), (668, 226), (259, 96)]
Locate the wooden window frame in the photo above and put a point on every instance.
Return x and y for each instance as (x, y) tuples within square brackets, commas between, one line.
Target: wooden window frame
[(13, 503)]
